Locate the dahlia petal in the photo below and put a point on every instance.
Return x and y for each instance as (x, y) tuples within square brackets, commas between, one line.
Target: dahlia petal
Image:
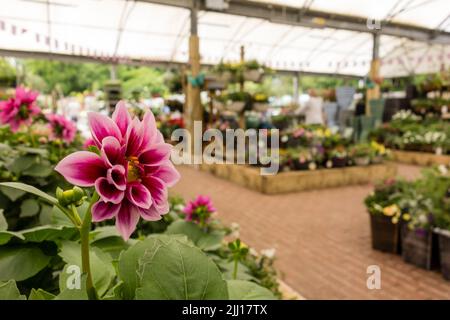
[(150, 214), (156, 154), (108, 192), (159, 193), (121, 117), (127, 219), (104, 210), (112, 152), (101, 127), (149, 130), (139, 195), (81, 168), (168, 174), (117, 176), (134, 137)]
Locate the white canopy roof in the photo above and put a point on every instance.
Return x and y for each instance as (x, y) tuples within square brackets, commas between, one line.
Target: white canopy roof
[(140, 30)]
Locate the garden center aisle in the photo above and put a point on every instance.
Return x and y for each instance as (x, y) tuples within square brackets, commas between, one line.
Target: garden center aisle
[(322, 238)]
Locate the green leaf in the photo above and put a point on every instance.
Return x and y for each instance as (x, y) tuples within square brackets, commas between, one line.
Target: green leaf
[(112, 245), (45, 217), (129, 261), (29, 189), (115, 293), (207, 241), (74, 294), (49, 233), (38, 170), (59, 218), (21, 163), (9, 291), (40, 294), (3, 222), (12, 194), (104, 232), (5, 236), (29, 208), (101, 265), (179, 271), (20, 263), (246, 290), (42, 152)]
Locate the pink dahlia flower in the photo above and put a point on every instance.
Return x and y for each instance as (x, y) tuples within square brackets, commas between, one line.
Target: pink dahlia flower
[(132, 172), (199, 210), (88, 142), (19, 109), (62, 128)]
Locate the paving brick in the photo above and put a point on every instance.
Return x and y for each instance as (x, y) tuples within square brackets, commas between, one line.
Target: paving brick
[(322, 238)]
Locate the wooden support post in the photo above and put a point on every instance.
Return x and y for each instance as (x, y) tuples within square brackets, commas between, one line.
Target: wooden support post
[(374, 72), (193, 110)]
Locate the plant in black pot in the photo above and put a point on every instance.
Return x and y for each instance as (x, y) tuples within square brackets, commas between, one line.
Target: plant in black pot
[(302, 159), (438, 182), (338, 157), (385, 215), (419, 243)]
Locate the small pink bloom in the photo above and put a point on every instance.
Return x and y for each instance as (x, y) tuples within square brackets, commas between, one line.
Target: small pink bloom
[(199, 210), (132, 172), (19, 109), (88, 142), (61, 128)]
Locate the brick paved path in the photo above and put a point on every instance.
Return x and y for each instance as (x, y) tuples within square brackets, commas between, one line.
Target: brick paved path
[(322, 238)]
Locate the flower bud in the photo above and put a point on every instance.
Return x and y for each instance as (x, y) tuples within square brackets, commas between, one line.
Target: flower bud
[(72, 196)]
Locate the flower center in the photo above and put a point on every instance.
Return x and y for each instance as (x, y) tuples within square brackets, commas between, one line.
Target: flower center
[(133, 169)]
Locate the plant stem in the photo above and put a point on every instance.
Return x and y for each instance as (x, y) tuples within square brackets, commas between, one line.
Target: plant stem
[(85, 261), (235, 269)]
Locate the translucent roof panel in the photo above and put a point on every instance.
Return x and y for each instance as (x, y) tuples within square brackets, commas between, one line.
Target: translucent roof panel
[(140, 30), (423, 13)]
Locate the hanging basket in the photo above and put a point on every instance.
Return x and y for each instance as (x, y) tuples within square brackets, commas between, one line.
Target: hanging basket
[(224, 77), (236, 106), (260, 106), (253, 75)]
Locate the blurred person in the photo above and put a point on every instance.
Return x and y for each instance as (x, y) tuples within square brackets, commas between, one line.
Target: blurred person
[(312, 109)]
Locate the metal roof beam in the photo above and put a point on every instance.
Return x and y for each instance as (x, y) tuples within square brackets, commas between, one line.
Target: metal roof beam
[(314, 19), (137, 62)]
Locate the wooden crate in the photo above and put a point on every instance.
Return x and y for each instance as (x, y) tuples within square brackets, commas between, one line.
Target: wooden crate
[(419, 158), (293, 181)]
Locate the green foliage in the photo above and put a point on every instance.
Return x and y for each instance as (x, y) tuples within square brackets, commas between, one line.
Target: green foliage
[(174, 269), (246, 290), (9, 291), (65, 77)]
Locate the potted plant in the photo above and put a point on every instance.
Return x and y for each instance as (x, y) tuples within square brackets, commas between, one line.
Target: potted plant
[(338, 157), (419, 243), (260, 102), (301, 158), (385, 216), (439, 181), (253, 71), (379, 152), (236, 101), (361, 154)]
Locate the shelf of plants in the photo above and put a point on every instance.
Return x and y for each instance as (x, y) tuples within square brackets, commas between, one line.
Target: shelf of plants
[(59, 206), (412, 218), (312, 157), (416, 139)]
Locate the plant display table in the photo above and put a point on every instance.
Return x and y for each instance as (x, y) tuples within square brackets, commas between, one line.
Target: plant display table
[(294, 181), (419, 158)]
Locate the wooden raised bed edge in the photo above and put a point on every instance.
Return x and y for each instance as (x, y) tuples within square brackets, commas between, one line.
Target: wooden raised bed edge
[(419, 158), (294, 181)]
